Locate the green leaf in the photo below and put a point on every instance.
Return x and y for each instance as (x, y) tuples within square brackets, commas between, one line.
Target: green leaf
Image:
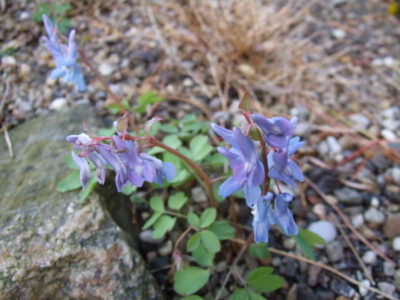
[(152, 220), (173, 141), (193, 242), (193, 297), (207, 217), (43, 9), (169, 157), (262, 280), (304, 246), (62, 9), (223, 230), (311, 237), (70, 182), (128, 189), (162, 226), (90, 187), (169, 128), (193, 220), (217, 160), (147, 99), (180, 178), (243, 294), (177, 200), (203, 257), (200, 147), (70, 162), (210, 241), (189, 280), (157, 204), (259, 251), (116, 108), (64, 25)]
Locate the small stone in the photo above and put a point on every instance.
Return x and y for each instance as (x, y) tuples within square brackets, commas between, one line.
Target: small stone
[(187, 82), (303, 129), (363, 288), (387, 288), (166, 249), (375, 202), (58, 104), (360, 121), (334, 251), (374, 216), (246, 70), (319, 209), (198, 195), (388, 269), (392, 226), (147, 237), (388, 135), (324, 229), (106, 68), (396, 243), (397, 278), (390, 124), (357, 220), (369, 257), (348, 196), (389, 61), (396, 175), (335, 149), (338, 34), (289, 243), (8, 61)]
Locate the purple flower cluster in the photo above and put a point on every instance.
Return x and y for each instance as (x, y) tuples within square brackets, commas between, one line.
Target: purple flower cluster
[(249, 174), (65, 56), (131, 166)]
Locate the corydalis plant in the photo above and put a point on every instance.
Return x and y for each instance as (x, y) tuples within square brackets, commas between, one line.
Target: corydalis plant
[(65, 56), (249, 173)]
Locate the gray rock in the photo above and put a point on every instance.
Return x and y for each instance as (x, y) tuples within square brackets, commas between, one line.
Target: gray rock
[(388, 268), (360, 121), (53, 246), (303, 129), (387, 288), (348, 196), (374, 216), (199, 195), (392, 226), (334, 251), (369, 258), (58, 104), (396, 175), (396, 243)]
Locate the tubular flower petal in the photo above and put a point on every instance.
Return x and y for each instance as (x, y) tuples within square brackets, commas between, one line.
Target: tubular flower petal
[(65, 57), (246, 167)]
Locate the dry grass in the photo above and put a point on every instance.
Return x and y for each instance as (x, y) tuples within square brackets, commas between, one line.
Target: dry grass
[(241, 43)]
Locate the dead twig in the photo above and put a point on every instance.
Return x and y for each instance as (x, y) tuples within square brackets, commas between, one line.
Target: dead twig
[(346, 221), (348, 242)]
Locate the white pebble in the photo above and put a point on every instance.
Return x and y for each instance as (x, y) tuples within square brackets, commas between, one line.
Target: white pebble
[(8, 61), (363, 288), (319, 209), (58, 104), (396, 243), (375, 202), (338, 33), (389, 61), (106, 69), (396, 175), (357, 221), (388, 135), (324, 229), (369, 257), (374, 216)]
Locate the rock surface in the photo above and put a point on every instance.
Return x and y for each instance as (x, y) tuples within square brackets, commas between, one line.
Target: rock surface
[(52, 246)]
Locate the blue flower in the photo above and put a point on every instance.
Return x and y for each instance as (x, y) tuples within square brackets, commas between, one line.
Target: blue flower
[(263, 213), (243, 157), (65, 56), (281, 167), (283, 215), (277, 131), (142, 167)]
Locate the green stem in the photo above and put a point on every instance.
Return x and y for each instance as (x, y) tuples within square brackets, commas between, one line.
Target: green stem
[(205, 179)]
